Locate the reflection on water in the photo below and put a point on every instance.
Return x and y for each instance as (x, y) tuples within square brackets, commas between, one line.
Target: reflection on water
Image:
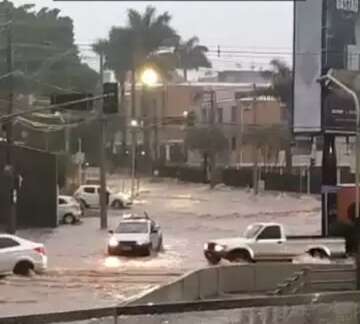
[(112, 262)]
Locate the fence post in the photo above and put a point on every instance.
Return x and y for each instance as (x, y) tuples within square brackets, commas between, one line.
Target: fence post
[(308, 178), (116, 317)]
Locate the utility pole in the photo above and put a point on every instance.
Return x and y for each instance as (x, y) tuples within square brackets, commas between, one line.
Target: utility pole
[(212, 151), (80, 161), (9, 163), (103, 189), (255, 148), (156, 135)]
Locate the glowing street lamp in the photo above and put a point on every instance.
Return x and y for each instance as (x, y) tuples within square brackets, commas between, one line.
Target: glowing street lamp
[(134, 123), (149, 77)]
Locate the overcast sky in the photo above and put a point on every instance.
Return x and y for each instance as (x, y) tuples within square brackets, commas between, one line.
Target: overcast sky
[(241, 26)]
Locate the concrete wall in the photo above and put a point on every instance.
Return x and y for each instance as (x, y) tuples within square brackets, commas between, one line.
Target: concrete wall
[(221, 281)]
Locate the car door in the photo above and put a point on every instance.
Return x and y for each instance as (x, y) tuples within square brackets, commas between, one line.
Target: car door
[(8, 251), (90, 195), (154, 235), (269, 244)]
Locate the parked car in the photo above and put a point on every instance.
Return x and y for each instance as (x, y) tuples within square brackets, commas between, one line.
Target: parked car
[(89, 195), (135, 234), (69, 210), (267, 241), (20, 256)]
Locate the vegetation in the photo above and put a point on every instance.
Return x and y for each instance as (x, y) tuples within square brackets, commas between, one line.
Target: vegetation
[(44, 51), (208, 142)]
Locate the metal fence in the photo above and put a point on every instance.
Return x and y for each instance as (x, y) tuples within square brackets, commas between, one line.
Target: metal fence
[(315, 308)]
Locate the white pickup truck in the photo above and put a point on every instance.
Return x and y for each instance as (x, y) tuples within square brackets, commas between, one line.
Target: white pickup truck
[(268, 242)]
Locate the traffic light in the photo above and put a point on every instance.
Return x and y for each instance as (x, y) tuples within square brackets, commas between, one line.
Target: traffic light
[(67, 97), (110, 104)]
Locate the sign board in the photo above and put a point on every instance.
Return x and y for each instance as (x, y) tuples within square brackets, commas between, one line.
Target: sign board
[(326, 36), (307, 66)]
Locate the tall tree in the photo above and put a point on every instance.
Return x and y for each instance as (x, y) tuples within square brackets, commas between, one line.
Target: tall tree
[(282, 79), (44, 50), (208, 141), (191, 55)]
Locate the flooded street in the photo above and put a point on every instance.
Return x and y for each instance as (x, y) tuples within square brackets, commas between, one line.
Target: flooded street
[(81, 275)]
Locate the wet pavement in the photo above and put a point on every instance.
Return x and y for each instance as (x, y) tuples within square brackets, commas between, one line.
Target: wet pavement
[(81, 275)]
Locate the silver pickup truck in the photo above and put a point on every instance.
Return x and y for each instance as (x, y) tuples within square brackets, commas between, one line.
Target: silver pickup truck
[(268, 242)]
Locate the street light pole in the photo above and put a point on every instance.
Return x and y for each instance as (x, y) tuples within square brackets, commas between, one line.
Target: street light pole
[(103, 190), (9, 165), (133, 125)]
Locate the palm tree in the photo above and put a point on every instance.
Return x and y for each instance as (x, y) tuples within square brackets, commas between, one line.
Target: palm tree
[(191, 55), (282, 80)]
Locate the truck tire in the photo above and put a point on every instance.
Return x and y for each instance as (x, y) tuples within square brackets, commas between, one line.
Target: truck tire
[(213, 260), (239, 256), (318, 254)]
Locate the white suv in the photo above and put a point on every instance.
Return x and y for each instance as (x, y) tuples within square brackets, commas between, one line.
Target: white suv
[(89, 196)]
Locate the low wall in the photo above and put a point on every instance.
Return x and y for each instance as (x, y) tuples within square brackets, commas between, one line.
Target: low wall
[(219, 281)]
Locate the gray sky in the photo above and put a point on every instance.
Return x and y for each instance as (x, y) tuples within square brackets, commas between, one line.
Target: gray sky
[(240, 26)]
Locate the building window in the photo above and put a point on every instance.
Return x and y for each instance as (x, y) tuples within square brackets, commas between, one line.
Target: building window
[(233, 143), (204, 115), (220, 115), (234, 114)]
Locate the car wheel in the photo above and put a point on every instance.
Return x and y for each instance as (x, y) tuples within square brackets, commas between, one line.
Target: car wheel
[(146, 252), (68, 219), (240, 257), (213, 260), (318, 254), (110, 251), (160, 246), (23, 268), (117, 204)]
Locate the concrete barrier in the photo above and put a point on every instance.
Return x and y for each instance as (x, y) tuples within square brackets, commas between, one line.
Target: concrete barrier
[(215, 282)]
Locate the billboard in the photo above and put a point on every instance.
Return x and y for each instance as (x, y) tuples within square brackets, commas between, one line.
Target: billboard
[(307, 66), (341, 34)]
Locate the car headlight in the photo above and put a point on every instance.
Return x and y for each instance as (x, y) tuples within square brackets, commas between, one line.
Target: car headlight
[(219, 248), (113, 242), (206, 246)]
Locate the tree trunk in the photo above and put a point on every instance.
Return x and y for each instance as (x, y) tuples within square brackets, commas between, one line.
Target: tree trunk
[(185, 75), (205, 166), (212, 170), (123, 113), (133, 92), (288, 159)]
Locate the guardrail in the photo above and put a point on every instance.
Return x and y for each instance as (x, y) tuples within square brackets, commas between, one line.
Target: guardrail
[(311, 279), (184, 307)]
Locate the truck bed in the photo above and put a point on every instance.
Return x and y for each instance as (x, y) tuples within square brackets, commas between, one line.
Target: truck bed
[(313, 237)]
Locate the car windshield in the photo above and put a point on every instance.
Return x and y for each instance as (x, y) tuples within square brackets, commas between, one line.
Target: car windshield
[(252, 231), (132, 227)]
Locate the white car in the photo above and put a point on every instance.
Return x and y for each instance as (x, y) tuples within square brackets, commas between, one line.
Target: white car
[(19, 256), (89, 196), (69, 210), (135, 234)]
